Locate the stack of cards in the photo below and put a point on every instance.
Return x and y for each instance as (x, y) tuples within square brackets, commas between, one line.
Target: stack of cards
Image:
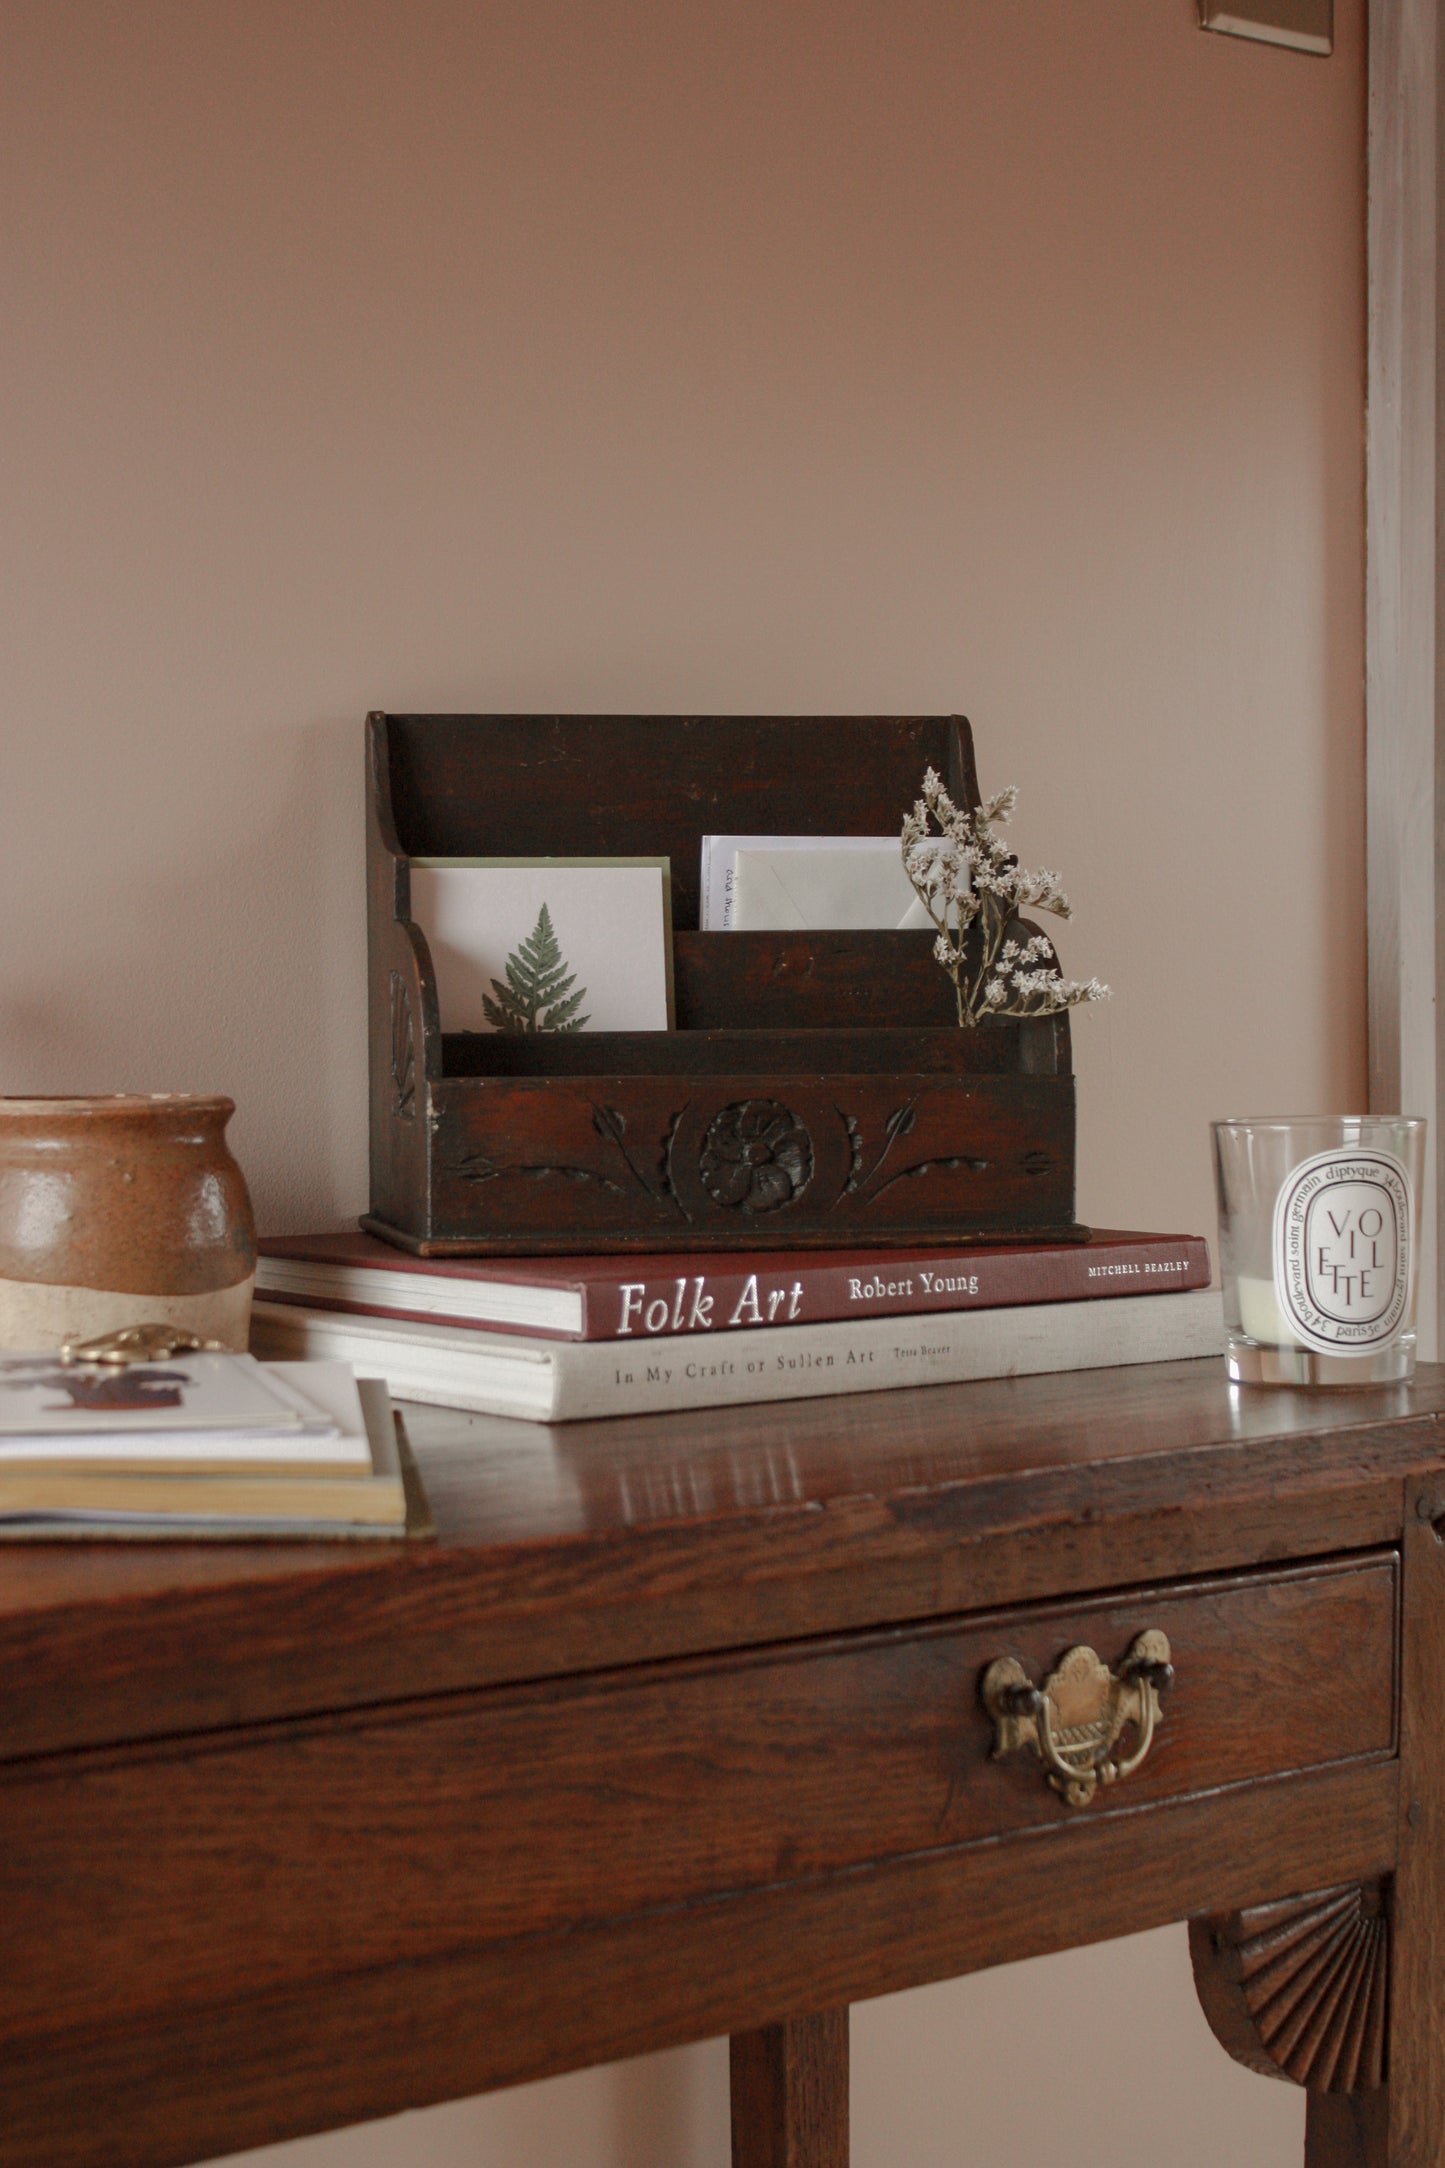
[(759, 884)]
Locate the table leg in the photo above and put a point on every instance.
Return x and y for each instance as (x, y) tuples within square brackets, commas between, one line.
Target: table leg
[(1343, 1989), (790, 2094), (1346, 2130), (1415, 2055)]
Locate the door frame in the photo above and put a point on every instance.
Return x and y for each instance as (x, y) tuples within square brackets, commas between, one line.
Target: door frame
[(1404, 797)]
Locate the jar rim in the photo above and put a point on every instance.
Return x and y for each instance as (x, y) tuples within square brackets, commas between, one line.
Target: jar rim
[(1321, 1121), (104, 1103)]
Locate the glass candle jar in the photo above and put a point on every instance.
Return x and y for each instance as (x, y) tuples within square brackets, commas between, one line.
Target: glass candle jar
[(1317, 1242)]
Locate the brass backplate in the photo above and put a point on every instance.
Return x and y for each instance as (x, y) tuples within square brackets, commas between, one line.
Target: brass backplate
[(1076, 1719)]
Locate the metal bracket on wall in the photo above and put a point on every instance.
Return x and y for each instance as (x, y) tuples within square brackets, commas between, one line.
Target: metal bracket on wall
[(1306, 25)]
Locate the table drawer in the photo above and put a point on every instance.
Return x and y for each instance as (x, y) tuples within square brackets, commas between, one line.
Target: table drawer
[(226, 1865)]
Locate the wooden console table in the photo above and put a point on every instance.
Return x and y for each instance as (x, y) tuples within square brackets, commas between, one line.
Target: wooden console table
[(678, 1730)]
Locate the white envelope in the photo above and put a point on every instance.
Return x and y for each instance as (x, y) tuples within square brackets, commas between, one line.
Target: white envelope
[(815, 882)]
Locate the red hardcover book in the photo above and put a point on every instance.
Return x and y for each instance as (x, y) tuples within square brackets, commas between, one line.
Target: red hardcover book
[(640, 1298)]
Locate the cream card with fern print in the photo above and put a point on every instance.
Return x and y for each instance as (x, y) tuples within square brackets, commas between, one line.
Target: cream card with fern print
[(548, 944)]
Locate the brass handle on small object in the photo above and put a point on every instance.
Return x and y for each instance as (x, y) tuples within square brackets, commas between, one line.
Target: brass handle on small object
[(131, 1344), (1075, 1720)]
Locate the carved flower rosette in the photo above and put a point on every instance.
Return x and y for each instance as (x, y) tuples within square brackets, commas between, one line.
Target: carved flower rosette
[(757, 1156)]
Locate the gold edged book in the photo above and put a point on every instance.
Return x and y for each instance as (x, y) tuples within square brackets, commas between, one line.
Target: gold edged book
[(380, 1495)]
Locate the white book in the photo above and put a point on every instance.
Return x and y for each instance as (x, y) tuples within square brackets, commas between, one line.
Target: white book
[(551, 1381), (41, 1395), (151, 1499), (321, 1397)]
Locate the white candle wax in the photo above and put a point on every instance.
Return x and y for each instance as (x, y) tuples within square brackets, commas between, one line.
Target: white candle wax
[(1261, 1317)]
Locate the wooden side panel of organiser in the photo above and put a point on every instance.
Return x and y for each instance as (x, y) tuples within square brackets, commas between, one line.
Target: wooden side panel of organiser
[(818, 1089)]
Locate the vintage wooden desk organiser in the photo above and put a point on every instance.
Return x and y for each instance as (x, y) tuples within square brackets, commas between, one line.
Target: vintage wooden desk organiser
[(903, 1124), (689, 1726)]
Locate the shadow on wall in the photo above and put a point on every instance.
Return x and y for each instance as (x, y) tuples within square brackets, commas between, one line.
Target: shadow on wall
[(673, 2108), (662, 2111), (218, 945)]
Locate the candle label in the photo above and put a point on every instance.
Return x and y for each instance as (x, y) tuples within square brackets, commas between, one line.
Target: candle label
[(1342, 1250)]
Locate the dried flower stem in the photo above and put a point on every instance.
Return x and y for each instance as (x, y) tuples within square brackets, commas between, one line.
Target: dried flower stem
[(971, 884)]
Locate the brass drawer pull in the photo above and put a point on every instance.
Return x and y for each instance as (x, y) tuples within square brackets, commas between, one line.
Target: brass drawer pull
[(1074, 1721)]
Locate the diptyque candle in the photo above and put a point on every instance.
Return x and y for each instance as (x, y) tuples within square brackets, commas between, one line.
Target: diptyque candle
[(1317, 1239)]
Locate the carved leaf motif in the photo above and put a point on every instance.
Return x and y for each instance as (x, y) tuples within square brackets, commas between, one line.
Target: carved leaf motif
[(476, 1166), (922, 1167), (403, 1051), (610, 1123), (900, 1121), (855, 1150), (1297, 1989)]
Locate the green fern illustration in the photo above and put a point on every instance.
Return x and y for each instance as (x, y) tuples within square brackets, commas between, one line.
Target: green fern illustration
[(537, 980)]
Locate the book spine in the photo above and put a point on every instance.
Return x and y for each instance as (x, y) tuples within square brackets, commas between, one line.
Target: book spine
[(876, 1354), (618, 1308), (696, 1297), (449, 1366), (569, 1381), (409, 1313)]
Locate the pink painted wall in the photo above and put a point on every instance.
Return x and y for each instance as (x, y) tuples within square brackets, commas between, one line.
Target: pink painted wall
[(836, 354)]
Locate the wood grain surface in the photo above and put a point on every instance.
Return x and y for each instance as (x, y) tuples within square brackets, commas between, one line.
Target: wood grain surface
[(1416, 2131), (250, 1863), (789, 2087), (675, 1731), (873, 983), (211, 2077), (654, 785), (898, 1045), (593, 1545), (1347, 2130), (612, 1162)]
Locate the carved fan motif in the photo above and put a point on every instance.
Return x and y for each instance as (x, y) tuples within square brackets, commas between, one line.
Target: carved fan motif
[(1297, 1989)]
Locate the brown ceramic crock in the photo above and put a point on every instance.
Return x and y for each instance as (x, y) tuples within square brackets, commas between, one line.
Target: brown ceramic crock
[(122, 1211)]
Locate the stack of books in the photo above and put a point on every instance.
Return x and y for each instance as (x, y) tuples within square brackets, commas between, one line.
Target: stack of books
[(199, 1445), (551, 1339)]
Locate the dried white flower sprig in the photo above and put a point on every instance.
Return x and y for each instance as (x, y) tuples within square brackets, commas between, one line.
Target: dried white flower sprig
[(967, 878)]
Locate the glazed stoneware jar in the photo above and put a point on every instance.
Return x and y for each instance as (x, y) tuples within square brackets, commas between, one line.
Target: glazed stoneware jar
[(122, 1211)]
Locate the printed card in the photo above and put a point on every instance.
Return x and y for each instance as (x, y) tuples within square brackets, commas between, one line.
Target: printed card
[(548, 944), (42, 1396)]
